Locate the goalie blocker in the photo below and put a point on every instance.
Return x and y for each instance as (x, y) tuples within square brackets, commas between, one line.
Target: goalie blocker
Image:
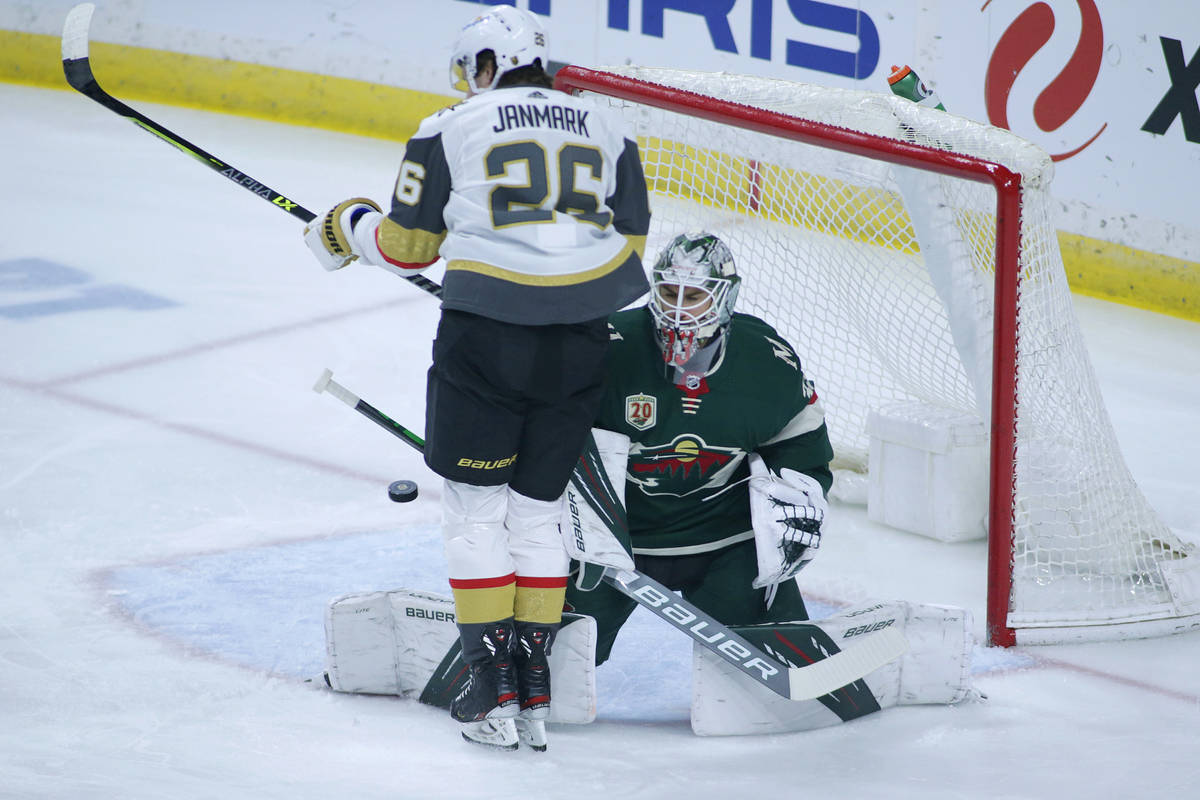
[(405, 643)]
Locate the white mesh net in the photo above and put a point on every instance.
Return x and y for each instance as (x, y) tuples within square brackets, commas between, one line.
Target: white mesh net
[(882, 277)]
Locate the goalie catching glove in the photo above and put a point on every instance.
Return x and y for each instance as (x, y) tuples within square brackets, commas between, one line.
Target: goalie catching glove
[(787, 511), (332, 237)]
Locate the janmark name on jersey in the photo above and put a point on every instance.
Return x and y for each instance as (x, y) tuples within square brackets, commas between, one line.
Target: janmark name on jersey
[(523, 115)]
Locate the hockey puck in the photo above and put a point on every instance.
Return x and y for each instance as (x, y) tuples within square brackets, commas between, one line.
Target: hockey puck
[(402, 491)]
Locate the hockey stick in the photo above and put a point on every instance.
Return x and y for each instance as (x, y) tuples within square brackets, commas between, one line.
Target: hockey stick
[(794, 683), (326, 383), (78, 69)]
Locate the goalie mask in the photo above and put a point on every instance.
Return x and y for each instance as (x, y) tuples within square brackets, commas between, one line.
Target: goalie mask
[(693, 289), (515, 37)]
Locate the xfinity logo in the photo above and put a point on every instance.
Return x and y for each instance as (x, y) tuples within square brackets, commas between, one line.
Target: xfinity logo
[(1065, 94), (1180, 100)]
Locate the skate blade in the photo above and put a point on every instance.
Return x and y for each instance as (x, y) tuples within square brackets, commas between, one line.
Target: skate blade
[(532, 733), (498, 733)]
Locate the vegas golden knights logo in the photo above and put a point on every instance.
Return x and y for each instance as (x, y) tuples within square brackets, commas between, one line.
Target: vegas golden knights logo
[(641, 411)]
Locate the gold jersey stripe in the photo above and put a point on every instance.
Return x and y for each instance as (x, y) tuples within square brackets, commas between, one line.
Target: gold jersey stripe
[(408, 245), (633, 244)]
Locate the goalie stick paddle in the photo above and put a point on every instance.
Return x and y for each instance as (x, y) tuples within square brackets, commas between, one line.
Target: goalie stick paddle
[(807, 682), (837, 669), (77, 67)]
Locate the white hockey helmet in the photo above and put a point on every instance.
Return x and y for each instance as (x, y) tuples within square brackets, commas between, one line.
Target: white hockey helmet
[(514, 36), (694, 286)]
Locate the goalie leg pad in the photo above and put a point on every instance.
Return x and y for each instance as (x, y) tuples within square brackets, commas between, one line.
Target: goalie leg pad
[(406, 643), (368, 652), (935, 669)]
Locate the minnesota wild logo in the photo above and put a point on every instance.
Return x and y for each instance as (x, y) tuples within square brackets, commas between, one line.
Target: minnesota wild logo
[(686, 465)]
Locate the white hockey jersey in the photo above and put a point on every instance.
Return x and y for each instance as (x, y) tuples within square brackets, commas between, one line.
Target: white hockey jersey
[(535, 198)]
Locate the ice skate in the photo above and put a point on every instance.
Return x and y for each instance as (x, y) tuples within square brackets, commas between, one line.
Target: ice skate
[(532, 733), (499, 733), (533, 669), (490, 692), (489, 700), (533, 682)]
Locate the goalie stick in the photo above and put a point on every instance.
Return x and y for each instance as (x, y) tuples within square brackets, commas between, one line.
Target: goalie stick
[(819, 678), (78, 70)]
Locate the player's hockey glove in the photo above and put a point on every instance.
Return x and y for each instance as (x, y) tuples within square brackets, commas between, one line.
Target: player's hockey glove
[(331, 237), (787, 511)]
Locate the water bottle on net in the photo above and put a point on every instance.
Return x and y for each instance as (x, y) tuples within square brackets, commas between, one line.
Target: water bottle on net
[(906, 83)]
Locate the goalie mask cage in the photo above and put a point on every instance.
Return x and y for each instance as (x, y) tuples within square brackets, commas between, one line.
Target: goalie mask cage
[(909, 255)]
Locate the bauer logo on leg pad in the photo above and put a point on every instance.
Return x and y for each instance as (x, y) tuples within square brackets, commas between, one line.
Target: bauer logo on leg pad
[(870, 628), (425, 613), (576, 522)]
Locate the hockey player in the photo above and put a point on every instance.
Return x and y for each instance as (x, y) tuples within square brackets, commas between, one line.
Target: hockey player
[(537, 202), (721, 419)]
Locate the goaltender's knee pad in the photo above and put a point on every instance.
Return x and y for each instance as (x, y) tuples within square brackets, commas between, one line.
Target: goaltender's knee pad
[(533, 535)]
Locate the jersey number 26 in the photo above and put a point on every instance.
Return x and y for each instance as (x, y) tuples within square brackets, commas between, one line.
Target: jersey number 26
[(523, 203)]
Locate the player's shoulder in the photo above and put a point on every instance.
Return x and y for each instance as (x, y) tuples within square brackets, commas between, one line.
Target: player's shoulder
[(435, 124), (749, 327), (753, 337), (457, 113), (625, 326)]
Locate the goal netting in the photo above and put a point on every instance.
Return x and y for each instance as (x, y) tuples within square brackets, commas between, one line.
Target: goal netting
[(909, 255)]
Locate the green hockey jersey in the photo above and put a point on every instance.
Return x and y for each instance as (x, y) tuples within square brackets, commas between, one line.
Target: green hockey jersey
[(685, 489)]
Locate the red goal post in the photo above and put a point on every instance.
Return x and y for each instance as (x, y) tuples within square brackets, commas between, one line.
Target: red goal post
[(875, 131)]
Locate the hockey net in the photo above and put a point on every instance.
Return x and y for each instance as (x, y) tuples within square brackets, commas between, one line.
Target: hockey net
[(909, 255)]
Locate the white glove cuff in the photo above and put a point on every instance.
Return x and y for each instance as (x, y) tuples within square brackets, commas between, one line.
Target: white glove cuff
[(362, 235)]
